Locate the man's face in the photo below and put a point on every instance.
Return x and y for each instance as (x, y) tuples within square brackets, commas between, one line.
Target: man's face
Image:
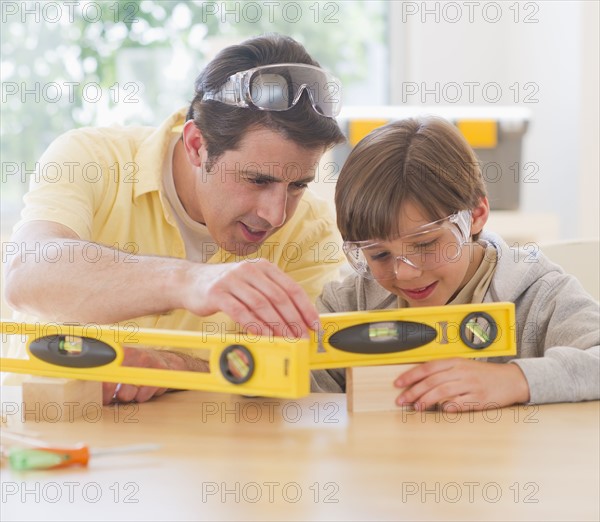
[(251, 192)]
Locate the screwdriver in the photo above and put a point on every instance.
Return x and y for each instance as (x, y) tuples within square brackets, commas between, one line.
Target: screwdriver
[(54, 458)]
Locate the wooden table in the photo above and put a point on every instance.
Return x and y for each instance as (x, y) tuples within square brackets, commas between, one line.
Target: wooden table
[(232, 458)]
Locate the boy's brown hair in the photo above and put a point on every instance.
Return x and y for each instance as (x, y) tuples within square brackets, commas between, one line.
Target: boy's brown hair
[(425, 161)]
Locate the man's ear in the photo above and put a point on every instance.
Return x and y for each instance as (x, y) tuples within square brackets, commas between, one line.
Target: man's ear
[(480, 215), (193, 142)]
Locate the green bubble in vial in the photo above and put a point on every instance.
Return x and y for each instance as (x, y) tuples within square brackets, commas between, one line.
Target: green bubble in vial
[(478, 331)]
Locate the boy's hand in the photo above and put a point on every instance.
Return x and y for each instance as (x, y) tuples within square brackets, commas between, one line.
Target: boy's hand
[(463, 383)]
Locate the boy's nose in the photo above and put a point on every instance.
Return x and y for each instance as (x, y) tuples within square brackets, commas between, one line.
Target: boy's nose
[(404, 269)]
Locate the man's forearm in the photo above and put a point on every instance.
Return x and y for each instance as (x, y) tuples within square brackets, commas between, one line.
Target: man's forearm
[(79, 281), (73, 280)]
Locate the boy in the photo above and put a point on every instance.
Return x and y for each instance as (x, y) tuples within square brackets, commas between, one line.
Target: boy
[(411, 207)]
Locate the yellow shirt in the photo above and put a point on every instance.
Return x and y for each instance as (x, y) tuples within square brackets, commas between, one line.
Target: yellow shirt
[(105, 184)]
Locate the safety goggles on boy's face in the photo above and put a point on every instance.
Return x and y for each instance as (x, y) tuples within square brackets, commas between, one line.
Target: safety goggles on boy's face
[(279, 87), (428, 247)]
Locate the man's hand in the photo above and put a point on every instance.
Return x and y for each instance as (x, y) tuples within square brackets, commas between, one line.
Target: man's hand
[(255, 294), (463, 383), (148, 358)]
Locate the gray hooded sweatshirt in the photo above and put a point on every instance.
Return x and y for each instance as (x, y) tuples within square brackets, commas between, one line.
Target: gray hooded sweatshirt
[(558, 323)]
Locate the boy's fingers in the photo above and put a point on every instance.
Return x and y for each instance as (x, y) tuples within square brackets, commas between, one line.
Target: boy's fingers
[(422, 371)]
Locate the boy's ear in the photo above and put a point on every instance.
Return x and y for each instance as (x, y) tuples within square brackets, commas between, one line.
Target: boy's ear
[(480, 215), (193, 142)]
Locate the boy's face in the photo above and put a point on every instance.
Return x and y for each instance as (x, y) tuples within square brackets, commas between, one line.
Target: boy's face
[(437, 286)]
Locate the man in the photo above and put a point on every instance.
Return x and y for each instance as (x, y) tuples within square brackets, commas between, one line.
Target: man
[(202, 224)]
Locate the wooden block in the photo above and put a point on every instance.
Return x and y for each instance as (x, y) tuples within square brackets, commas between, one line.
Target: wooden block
[(371, 388), (47, 399)]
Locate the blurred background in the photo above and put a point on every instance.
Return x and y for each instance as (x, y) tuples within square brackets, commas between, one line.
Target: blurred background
[(519, 78)]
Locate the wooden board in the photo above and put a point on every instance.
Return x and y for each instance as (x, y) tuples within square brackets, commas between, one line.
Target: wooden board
[(47, 399), (371, 388)]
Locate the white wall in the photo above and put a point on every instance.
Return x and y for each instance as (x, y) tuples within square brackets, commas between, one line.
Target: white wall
[(589, 116), (558, 53)]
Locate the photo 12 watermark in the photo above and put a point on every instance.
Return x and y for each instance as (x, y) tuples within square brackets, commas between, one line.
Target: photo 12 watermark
[(271, 11), (125, 332), (469, 12), (70, 172), (472, 412), (69, 11), (69, 251), (470, 92), (270, 492), (68, 92), (270, 411), (69, 411), (469, 492), (69, 492)]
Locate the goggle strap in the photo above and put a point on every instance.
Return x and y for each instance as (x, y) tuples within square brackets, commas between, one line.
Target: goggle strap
[(229, 93)]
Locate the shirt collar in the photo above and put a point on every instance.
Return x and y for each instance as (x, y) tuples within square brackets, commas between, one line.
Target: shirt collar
[(150, 155)]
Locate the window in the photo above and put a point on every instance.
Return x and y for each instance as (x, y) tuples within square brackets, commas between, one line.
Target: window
[(134, 62)]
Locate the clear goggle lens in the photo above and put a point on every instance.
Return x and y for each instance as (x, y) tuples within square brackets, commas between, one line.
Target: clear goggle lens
[(279, 87), (431, 246)]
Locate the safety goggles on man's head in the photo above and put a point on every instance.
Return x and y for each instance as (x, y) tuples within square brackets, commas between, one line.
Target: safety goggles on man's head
[(426, 248), (278, 87)]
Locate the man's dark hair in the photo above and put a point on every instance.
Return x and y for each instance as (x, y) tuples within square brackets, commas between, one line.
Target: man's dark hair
[(223, 126)]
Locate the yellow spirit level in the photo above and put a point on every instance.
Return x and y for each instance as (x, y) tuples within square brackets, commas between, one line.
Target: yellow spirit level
[(269, 366)]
